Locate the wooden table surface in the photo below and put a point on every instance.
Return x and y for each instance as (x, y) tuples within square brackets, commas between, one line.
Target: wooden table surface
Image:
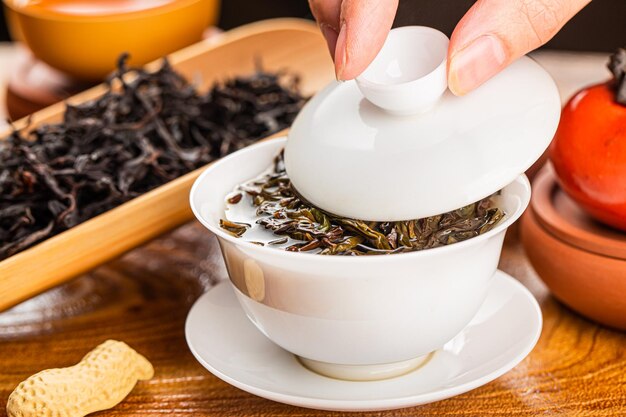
[(577, 368)]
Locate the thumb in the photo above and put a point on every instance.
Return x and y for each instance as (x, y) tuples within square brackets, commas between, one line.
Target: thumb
[(495, 33)]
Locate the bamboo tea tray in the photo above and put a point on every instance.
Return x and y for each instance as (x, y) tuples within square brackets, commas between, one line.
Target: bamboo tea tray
[(280, 44)]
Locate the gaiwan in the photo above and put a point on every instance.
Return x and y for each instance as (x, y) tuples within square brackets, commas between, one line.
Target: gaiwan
[(434, 181)]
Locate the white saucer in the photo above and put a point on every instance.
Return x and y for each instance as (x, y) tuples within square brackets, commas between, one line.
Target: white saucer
[(503, 332)]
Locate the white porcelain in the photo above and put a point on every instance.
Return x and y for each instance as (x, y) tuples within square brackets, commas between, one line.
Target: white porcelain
[(503, 332), (365, 372), (408, 75), (353, 159), (352, 310)]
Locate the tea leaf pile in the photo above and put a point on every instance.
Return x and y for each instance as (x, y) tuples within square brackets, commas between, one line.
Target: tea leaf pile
[(147, 129), (280, 210)]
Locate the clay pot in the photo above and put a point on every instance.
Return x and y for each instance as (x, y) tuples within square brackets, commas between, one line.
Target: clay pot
[(582, 262)]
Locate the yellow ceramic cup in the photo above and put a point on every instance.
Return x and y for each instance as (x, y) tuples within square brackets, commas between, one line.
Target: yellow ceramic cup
[(87, 46)]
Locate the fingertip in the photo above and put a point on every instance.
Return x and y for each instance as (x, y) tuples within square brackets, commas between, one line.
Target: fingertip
[(341, 52), (365, 25), (454, 85), (493, 33), (355, 51), (473, 65), (331, 36)]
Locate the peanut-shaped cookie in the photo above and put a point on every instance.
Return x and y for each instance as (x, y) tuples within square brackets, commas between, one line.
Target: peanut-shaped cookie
[(101, 380)]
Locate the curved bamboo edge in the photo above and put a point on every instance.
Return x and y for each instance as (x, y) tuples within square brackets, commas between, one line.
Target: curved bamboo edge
[(110, 234)]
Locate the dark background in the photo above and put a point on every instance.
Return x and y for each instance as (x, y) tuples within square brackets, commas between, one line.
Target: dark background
[(601, 26)]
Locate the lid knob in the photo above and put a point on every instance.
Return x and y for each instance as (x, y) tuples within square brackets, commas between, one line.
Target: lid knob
[(408, 75)]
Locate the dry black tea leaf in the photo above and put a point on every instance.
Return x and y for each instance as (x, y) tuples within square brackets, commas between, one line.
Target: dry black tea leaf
[(272, 208), (152, 129)]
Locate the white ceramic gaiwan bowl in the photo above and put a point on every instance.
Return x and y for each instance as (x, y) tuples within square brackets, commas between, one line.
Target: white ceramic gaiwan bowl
[(347, 314)]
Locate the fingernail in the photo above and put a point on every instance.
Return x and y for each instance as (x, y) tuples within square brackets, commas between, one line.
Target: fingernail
[(476, 63), (330, 34), (341, 52)]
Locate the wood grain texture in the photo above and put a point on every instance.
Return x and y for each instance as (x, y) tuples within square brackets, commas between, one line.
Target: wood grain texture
[(577, 368), (280, 44)]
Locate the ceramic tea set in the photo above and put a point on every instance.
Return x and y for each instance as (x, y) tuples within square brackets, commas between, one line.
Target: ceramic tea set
[(83, 39), (381, 332)]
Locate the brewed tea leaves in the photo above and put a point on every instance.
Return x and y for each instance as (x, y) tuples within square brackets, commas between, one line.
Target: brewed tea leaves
[(278, 209), (151, 129)]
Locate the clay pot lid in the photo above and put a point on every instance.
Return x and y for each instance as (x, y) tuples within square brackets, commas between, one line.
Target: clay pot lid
[(564, 219)]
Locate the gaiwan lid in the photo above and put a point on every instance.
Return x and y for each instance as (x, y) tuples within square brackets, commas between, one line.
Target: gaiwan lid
[(395, 144)]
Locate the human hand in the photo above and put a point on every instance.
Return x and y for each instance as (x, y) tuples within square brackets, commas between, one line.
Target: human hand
[(491, 35)]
